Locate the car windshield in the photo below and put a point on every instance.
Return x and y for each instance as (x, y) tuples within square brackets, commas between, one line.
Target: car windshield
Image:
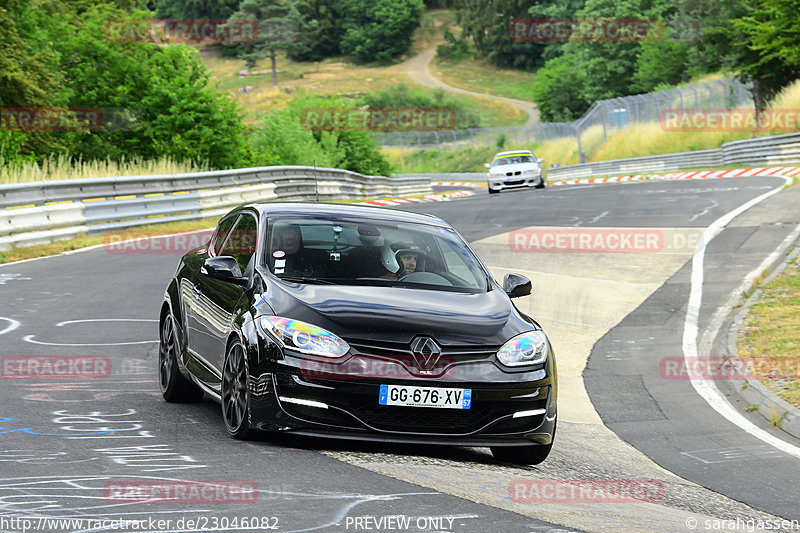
[(513, 159), (352, 252)]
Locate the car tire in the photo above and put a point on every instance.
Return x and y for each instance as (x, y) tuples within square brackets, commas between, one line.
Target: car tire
[(540, 185), (174, 387), (492, 191), (524, 455), (235, 396)]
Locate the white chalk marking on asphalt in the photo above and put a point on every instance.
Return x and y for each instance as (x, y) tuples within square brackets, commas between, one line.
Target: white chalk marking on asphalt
[(107, 320), (12, 324), (714, 204), (706, 388), (29, 338)]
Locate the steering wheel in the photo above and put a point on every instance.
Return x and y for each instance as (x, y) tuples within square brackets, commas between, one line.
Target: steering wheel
[(425, 277)]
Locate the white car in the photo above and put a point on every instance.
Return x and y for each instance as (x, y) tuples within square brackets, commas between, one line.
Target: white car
[(515, 170)]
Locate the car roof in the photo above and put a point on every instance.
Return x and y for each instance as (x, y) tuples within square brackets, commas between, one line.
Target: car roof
[(301, 209), (513, 152)]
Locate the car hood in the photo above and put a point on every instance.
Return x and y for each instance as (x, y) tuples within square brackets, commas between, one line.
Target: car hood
[(398, 314), (513, 168)]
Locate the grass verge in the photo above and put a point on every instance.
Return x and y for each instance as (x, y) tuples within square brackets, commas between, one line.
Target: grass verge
[(82, 241), (56, 167), (769, 339)]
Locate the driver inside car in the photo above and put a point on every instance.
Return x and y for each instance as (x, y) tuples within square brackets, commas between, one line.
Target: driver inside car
[(401, 260)]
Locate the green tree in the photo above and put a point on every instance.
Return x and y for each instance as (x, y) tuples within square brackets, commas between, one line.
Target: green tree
[(30, 74), (775, 31), (379, 30), (487, 23), (765, 51), (661, 62), (610, 66), (320, 30), (278, 29), (196, 9), (557, 90)]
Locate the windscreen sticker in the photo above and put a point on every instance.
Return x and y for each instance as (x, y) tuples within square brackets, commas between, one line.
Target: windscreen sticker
[(279, 271), (280, 263), (279, 253)]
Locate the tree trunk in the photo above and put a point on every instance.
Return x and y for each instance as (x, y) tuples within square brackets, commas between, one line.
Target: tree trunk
[(274, 68), (759, 101)]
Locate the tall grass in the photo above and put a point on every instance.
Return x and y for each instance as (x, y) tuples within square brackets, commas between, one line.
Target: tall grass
[(61, 166)]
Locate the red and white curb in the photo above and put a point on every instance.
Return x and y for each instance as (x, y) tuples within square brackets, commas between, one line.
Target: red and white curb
[(442, 197), (693, 175)]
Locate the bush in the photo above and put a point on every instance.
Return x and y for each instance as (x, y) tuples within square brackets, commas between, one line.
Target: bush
[(401, 96), (282, 140), (453, 49)]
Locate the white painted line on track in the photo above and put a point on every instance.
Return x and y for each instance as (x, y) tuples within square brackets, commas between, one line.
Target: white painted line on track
[(706, 388), (12, 325)]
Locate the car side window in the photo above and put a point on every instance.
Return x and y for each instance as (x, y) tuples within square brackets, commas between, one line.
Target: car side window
[(221, 234), (241, 243)]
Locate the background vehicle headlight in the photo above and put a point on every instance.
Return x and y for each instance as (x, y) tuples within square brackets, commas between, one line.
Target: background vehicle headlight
[(526, 349), (304, 337)]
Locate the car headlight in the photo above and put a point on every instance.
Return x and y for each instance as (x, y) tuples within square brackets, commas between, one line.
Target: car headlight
[(304, 337), (526, 349), (531, 172)]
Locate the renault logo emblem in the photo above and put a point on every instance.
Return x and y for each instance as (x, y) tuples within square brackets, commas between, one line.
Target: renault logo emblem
[(426, 353)]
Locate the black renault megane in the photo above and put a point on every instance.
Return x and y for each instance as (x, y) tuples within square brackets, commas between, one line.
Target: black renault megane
[(357, 323)]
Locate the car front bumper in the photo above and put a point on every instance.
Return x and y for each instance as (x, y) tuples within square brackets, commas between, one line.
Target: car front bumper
[(520, 409), (514, 182)]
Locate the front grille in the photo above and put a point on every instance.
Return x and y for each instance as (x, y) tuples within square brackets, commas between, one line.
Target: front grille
[(514, 182), (422, 419), (517, 173), (402, 351)]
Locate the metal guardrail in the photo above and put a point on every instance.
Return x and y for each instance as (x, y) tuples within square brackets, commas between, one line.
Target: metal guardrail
[(767, 151), (44, 211)]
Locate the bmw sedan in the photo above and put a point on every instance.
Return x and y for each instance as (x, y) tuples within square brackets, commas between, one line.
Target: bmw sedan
[(515, 170), (357, 323)]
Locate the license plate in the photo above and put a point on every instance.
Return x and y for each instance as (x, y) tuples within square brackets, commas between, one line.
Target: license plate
[(425, 397)]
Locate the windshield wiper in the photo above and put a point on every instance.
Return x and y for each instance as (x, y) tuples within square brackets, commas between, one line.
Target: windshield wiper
[(306, 280)]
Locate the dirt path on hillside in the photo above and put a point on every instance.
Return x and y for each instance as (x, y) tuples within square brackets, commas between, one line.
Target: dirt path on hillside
[(417, 69)]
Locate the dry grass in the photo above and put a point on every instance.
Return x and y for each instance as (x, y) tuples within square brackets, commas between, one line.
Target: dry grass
[(769, 340), (431, 30), (61, 167), (479, 76)]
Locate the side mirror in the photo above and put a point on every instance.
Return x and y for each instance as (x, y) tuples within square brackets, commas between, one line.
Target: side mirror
[(516, 285), (540, 160), (487, 165), (224, 268)]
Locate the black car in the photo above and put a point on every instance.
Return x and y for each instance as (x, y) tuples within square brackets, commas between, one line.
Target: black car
[(357, 323)]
